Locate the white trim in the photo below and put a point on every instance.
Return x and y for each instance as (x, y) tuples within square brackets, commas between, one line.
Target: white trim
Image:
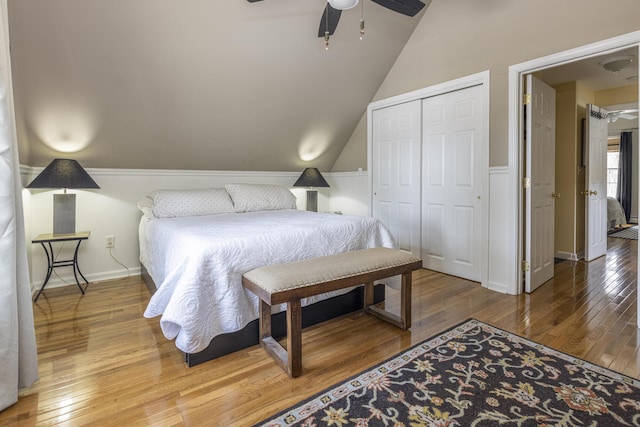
[(516, 74), (94, 279), (438, 89), (499, 255), (566, 255), (482, 78), (173, 172), (34, 170)]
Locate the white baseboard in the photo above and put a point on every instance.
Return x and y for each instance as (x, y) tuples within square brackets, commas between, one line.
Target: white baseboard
[(497, 287), (567, 255), (62, 281)]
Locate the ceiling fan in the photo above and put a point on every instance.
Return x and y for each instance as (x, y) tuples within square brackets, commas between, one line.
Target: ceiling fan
[(622, 114), (334, 8)]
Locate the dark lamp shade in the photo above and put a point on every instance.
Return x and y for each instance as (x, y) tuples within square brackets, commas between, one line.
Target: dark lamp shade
[(63, 173), (311, 177)]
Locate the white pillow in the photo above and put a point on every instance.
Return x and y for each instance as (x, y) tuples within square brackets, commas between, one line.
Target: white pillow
[(260, 197), (146, 206), (195, 202)]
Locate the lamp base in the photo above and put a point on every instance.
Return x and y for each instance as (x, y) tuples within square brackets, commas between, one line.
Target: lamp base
[(64, 213), (312, 200)]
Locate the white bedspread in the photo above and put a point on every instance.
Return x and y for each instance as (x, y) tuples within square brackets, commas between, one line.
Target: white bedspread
[(197, 263), (615, 214)]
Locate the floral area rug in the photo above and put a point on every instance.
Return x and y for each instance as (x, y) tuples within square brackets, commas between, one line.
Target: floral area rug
[(474, 375)]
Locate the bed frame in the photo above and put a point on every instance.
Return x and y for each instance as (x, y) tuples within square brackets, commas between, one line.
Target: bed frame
[(249, 335)]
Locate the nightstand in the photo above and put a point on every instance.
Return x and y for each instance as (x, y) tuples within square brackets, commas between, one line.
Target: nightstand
[(46, 241)]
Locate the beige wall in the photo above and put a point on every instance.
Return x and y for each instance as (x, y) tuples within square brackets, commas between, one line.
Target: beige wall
[(619, 95), (456, 38), (567, 141)]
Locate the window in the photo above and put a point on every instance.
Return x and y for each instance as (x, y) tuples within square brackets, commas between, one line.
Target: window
[(613, 156)]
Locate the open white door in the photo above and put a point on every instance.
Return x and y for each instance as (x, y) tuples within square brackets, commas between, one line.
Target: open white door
[(540, 174), (395, 173), (596, 185)]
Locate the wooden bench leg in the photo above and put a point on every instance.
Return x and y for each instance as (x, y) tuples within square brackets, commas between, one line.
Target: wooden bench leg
[(368, 294), (405, 300), (404, 320), (290, 360), (294, 338), (265, 320)]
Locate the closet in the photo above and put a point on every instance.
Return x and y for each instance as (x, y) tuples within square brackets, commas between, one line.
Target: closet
[(429, 172)]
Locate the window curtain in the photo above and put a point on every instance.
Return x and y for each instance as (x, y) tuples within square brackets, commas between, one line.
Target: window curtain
[(623, 192), (18, 354)]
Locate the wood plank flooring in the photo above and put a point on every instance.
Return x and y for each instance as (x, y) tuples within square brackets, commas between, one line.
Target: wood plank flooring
[(103, 364)]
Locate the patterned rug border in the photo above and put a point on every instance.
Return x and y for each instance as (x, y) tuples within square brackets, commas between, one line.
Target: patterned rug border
[(360, 380)]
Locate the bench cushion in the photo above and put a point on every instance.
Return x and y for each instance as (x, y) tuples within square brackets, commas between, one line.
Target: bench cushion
[(283, 277)]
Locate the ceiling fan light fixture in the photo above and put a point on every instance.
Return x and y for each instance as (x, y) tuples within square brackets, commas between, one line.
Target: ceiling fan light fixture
[(616, 63), (343, 4)]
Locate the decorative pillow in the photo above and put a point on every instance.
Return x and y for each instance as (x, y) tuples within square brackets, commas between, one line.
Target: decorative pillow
[(195, 202), (260, 197)]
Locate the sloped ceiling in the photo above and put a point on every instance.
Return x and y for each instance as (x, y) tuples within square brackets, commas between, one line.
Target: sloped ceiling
[(194, 84)]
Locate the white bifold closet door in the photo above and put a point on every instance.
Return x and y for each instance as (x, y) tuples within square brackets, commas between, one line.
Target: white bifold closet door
[(452, 183), (395, 172)]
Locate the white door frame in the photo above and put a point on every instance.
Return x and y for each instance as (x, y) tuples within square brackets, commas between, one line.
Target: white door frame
[(481, 78), (516, 139)]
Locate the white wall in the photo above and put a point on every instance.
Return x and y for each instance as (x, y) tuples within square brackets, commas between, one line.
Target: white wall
[(112, 210)]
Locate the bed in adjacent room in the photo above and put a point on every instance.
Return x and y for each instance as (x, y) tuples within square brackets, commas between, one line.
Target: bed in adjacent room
[(616, 217), (196, 244)]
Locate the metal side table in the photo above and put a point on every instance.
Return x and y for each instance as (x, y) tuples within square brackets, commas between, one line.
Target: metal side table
[(46, 241)]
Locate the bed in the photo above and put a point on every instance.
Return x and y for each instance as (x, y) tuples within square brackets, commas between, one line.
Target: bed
[(616, 217), (196, 244)]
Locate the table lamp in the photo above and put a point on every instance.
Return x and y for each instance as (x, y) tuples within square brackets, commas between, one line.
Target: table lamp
[(63, 173), (311, 177)]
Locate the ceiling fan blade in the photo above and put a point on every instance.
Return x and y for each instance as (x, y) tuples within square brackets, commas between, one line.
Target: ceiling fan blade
[(253, 1), (628, 116), (334, 18), (405, 7)]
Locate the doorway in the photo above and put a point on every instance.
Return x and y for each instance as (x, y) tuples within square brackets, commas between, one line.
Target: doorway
[(517, 74)]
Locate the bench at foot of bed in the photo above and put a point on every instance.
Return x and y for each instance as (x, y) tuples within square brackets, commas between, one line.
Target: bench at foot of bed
[(290, 282)]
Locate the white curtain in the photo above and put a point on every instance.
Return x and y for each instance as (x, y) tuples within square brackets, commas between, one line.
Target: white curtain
[(18, 355)]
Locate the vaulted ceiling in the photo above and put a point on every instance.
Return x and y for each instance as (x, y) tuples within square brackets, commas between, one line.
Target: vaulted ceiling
[(195, 84)]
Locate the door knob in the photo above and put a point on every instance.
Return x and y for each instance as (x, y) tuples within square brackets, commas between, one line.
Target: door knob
[(555, 195), (593, 193)]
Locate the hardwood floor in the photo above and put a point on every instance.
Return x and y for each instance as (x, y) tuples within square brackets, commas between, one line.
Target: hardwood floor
[(102, 363)]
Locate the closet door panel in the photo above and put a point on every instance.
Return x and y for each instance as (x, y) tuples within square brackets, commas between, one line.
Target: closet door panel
[(396, 178), (452, 124)]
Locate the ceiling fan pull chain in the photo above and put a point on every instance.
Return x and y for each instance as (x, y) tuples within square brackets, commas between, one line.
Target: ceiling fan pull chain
[(326, 32), (362, 21)]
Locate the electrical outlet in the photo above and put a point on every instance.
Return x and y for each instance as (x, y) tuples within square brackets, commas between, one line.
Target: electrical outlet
[(111, 241)]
